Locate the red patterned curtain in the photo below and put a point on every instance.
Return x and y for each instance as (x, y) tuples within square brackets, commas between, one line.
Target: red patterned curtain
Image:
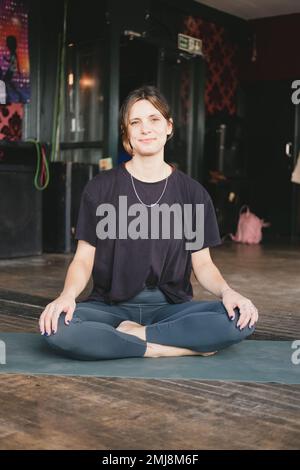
[(11, 117), (220, 55)]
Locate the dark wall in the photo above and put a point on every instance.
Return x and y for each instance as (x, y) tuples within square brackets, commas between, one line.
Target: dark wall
[(268, 65), (45, 23), (270, 125), (277, 48)]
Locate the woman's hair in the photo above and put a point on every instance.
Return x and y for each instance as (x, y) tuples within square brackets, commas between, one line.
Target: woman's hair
[(151, 94)]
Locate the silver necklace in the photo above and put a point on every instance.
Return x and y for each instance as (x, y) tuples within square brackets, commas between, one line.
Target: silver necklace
[(149, 205)]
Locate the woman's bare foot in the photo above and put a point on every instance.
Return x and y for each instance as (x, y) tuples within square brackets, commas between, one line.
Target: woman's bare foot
[(132, 328), (154, 349), (161, 350)]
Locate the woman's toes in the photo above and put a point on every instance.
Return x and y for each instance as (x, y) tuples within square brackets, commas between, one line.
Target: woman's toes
[(207, 353)]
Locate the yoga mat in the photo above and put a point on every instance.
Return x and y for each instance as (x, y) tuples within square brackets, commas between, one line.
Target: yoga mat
[(248, 361)]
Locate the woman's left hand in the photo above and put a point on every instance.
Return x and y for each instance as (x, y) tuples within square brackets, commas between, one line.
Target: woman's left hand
[(248, 312)]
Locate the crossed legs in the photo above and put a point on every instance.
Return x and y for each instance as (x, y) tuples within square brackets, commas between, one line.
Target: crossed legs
[(192, 328), (154, 349)]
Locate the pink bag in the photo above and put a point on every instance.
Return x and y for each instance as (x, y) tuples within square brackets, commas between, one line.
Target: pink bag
[(249, 228)]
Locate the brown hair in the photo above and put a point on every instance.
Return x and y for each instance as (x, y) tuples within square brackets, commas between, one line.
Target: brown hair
[(146, 92)]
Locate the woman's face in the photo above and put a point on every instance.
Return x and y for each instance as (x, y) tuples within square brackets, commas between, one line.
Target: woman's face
[(147, 128)]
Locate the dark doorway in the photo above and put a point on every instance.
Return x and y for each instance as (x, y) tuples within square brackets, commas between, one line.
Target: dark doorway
[(270, 116), (181, 79), (138, 66)]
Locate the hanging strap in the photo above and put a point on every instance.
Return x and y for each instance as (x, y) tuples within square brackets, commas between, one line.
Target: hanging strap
[(243, 207)]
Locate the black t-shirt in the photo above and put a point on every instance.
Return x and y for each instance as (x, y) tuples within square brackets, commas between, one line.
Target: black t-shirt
[(123, 265)]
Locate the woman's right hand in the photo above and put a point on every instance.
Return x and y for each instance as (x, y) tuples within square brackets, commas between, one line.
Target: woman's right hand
[(49, 318)]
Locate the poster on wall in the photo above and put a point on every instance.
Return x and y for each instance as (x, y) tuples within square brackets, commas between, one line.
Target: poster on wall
[(14, 55)]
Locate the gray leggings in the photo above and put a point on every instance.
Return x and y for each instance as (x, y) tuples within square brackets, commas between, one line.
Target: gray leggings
[(202, 326)]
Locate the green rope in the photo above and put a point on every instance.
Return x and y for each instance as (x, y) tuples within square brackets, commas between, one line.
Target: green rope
[(55, 110), (59, 91), (38, 165)]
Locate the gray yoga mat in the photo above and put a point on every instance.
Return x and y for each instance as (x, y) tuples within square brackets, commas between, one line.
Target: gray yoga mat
[(248, 361)]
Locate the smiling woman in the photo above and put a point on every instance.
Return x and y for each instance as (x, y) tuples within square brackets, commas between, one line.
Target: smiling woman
[(142, 301), (145, 120)]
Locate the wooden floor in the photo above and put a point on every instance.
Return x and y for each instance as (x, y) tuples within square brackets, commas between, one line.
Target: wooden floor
[(48, 412)]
